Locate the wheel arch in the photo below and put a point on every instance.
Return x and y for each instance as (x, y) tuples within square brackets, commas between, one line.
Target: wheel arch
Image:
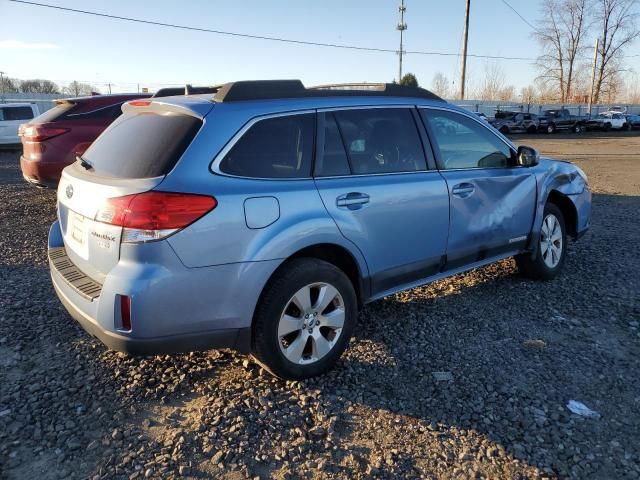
[(338, 256), (568, 210)]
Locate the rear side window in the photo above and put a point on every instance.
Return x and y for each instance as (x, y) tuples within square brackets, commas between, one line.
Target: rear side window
[(280, 147), (142, 145), (381, 140), (16, 113)]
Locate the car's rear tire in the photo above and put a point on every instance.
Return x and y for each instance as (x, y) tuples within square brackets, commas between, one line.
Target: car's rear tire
[(551, 128), (577, 128), (552, 247), (532, 129), (304, 319), (504, 130), (606, 127)]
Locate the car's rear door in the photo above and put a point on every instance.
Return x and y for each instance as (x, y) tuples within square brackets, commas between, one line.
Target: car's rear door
[(373, 178), (492, 200)]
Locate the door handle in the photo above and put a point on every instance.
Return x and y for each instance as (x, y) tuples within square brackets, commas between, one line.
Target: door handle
[(352, 200), (463, 190)]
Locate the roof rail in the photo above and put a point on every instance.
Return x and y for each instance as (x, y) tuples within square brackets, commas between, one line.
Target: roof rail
[(186, 90), (274, 89)]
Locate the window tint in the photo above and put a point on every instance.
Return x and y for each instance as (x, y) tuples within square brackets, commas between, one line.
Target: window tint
[(334, 159), (16, 113), (280, 147), (142, 145), (464, 143), (381, 140)]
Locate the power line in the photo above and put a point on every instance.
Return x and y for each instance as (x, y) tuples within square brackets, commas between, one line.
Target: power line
[(518, 14), (258, 37)]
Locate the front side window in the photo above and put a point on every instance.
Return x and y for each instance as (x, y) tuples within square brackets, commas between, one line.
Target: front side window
[(464, 143), (280, 147), (380, 140)]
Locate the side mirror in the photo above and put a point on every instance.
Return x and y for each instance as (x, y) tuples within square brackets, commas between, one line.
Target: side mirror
[(527, 157)]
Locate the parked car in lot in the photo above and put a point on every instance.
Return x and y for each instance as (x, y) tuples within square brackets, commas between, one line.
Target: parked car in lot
[(263, 217), (633, 122), (482, 116), (52, 140), (515, 122), (561, 119), (12, 115), (606, 121)]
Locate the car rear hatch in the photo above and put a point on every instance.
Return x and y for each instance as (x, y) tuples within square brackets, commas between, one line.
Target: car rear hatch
[(132, 156)]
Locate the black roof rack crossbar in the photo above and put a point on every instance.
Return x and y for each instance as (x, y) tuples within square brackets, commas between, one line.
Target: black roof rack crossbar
[(275, 89)]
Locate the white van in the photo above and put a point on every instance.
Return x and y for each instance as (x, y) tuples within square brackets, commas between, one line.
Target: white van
[(12, 115)]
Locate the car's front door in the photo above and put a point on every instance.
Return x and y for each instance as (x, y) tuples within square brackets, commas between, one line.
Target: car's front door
[(492, 200), (373, 179)]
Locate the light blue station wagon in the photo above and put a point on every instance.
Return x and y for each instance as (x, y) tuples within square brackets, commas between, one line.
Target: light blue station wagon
[(261, 217)]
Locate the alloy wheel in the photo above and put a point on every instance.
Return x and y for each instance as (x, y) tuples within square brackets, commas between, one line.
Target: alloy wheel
[(311, 323), (551, 241)]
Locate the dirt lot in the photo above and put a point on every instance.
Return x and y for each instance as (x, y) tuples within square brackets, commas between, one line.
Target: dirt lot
[(71, 409)]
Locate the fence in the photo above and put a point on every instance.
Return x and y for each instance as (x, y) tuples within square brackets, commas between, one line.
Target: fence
[(489, 107), (43, 100)]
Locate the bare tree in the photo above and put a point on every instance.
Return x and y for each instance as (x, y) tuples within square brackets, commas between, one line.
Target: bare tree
[(632, 90), (561, 33), (493, 85), (38, 86), (440, 85), (618, 21), (76, 89), (529, 94), (9, 85)]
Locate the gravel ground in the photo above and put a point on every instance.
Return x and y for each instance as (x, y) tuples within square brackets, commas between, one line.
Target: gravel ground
[(511, 354)]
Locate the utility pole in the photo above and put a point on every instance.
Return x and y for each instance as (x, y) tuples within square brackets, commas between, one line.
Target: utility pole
[(593, 73), (463, 73), (401, 28), (109, 85)]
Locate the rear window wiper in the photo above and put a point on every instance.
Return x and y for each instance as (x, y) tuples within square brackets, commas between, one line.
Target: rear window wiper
[(86, 164)]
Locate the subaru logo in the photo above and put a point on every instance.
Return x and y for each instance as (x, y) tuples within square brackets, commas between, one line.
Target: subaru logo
[(69, 191)]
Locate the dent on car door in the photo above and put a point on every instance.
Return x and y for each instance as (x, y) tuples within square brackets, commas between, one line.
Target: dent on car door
[(492, 201), (372, 177)]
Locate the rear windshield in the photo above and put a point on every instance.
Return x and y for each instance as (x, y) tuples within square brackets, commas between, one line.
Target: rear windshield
[(141, 145), (55, 113)]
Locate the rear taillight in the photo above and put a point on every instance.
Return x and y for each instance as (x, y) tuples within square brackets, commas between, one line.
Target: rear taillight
[(38, 133), (154, 215)]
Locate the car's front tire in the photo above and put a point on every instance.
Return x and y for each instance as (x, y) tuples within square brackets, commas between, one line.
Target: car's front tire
[(549, 259), (305, 319), (551, 128)]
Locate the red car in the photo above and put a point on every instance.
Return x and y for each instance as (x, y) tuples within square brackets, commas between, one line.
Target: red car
[(52, 140)]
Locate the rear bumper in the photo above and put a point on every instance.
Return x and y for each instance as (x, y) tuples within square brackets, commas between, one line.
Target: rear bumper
[(41, 174), (173, 308), (236, 338)]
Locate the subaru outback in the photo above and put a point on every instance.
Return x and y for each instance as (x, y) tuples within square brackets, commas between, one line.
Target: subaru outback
[(261, 218)]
